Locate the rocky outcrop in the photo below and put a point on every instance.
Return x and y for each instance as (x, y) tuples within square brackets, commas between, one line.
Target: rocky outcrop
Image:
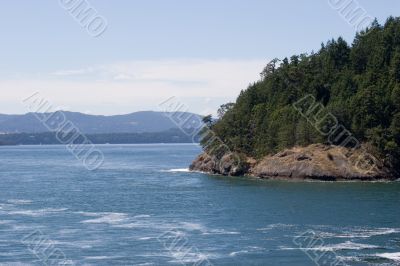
[(317, 161), (229, 164)]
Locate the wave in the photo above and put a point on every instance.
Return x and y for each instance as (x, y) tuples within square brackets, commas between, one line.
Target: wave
[(349, 258), (145, 238), (82, 244), (101, 257), (91, 214), (128, 225), (192, 226), (246, 251), (68, 231), (389, 256), (19, 201), (220, 232), (360, 233), (204, 230), (108, 218), (276, 226), (37, 213), (143, 221), (186, 257), (233, 254), (348, 245), (337, 232), (179, 170)]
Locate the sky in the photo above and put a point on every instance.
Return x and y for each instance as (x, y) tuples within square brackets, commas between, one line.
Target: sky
[(146, 51)]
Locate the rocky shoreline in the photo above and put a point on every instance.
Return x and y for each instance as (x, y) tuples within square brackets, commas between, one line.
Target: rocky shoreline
[(315, 162)]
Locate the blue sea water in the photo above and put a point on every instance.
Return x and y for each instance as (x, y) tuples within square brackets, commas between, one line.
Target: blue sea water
[(142, 207)]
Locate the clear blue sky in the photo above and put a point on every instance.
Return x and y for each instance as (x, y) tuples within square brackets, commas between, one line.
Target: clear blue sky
[(150, 44)]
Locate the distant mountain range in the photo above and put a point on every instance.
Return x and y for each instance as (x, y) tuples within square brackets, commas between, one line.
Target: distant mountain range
[(139, 122)]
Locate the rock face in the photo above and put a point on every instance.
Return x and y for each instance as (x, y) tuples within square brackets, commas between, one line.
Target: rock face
[(317, 161), (229, 164)]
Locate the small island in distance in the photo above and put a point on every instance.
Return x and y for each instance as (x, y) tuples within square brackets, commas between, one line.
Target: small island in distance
[(266, 134)]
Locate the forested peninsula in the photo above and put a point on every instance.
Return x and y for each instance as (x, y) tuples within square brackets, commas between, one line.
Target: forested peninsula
[(333, 114)]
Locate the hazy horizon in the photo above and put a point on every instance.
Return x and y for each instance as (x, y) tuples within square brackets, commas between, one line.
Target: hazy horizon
[(93, 114)]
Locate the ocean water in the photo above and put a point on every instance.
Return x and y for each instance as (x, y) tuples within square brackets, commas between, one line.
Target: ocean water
[(142, 207)]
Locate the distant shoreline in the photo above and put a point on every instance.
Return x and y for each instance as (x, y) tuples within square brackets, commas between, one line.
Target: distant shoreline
[(107, 144), (52, 138)]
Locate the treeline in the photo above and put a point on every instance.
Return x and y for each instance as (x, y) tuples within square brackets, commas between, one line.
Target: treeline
[(358, 83), (50, 138)]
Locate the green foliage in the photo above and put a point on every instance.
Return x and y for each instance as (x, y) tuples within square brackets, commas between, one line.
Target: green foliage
[(225, 108), (359, 84), (208, 120)]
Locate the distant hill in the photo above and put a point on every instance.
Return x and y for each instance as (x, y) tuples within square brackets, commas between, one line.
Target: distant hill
[(139, 122), (4, 118)]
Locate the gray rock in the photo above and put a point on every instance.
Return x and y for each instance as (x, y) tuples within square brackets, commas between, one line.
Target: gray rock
[(316, 161), (229, 165)]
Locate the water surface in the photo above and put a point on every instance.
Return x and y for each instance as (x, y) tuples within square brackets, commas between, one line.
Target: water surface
[(143, 208)]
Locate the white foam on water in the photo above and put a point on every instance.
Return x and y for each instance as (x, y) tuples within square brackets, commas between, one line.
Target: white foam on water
[(143, 221), (164, 254), (128, 225), (17, 227), (82, 244), (187, 226), (68, 231), (276, 226), (90, 214), (100, 257), (193, 227), (108, 218), (179, 170), (190, 256), (143, 224), (249, 250), (348, 245), (37, 213), (145, 238), (390, 256), (349, 258), (11, 254), (220, 232), (233, 254), (142, 216), (121, 220), (360, 233), (19, 201)]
